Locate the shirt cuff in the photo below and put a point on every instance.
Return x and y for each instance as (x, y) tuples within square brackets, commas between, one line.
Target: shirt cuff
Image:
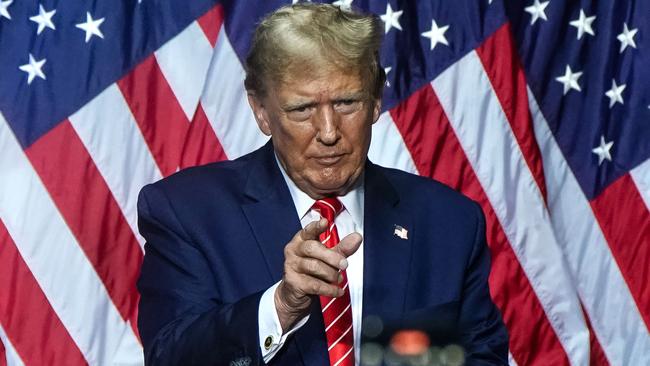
[(270, 329)]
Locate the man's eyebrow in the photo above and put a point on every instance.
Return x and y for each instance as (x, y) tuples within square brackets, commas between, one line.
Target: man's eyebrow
[(297, 105), (350, 95), (353, 95)]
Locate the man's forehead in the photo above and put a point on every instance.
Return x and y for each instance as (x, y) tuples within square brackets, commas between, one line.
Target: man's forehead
[(332, 82)]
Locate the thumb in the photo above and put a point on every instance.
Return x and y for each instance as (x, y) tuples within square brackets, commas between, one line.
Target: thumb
[(349, 245)]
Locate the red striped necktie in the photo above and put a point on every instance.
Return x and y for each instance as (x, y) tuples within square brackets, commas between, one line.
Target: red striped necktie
[(337, 312)]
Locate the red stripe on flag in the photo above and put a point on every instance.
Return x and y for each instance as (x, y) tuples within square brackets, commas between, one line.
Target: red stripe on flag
[(35, 330), (210, 23), (437, 153), (157, 112), (625, 221), (501, 64), (202, 145), (91, 212), (596, 355)]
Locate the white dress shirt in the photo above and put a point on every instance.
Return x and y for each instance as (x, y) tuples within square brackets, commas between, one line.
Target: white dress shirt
[(348, 221)]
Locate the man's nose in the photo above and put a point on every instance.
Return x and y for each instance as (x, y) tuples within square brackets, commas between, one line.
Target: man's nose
[(327, 124)]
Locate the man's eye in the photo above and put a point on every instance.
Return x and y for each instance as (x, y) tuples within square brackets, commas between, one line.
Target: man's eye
[(299, 113), (347, 105), (347, 102)]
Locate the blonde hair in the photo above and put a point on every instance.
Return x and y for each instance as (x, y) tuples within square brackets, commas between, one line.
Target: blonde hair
[(308, 37)]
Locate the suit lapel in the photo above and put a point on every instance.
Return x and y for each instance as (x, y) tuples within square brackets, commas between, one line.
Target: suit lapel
[(387, 256), (270, 212), (274, 221)]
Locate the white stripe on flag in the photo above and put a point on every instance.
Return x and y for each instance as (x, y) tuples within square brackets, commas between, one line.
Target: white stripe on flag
[(475, 114), (641, 177), (184, 62), (226, 105), (128, 353), (58, 264), (615, 319), (511, 360), (112, 137), (387, 147), (12, 357)]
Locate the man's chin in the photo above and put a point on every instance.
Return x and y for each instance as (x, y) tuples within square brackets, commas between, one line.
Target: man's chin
[(330, 188)]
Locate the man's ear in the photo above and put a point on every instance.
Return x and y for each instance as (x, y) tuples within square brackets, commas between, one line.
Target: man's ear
[(259, 112), (376, 110)]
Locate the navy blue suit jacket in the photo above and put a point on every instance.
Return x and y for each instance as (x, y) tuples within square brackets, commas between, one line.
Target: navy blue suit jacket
[(215, 238)]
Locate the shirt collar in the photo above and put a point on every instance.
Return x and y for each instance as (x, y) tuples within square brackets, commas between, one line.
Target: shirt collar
[(352, 201)]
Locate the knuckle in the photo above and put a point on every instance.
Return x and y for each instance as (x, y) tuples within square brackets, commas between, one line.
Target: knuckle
[(312, 265), (291, 265), (309, 248), (287, 250), (316, 287)]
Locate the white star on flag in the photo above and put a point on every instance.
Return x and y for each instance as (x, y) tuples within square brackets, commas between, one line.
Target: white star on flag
[(570, 80), (537, 11), (4, 5), (343, 4), (91, 27), (583, 23), (627, 37), (615, 94), (436, 34), (386, 71), (43, 19), (602, 150), (33, 69), (391, 19)]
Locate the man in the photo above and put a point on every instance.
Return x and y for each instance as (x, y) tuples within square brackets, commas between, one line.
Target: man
[(278, 256)]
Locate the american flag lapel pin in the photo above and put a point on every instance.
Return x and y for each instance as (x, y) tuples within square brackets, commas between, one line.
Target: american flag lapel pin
[(401, 232)]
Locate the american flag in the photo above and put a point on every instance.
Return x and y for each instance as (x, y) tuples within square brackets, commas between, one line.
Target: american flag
[(538, 110)]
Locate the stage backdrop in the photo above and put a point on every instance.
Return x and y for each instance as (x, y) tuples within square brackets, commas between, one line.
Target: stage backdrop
[(538, 110)]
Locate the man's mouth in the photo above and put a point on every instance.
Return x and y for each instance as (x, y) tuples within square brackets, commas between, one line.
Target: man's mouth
[(328, 159)]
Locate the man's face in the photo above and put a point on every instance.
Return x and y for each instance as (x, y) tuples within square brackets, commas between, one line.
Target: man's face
[(321, 127)]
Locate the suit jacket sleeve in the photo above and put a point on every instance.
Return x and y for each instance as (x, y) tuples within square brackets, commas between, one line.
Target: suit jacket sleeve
[(182, 320), (482, 330)]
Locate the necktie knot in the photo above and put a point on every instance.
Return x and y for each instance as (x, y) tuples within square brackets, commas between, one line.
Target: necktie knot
[(328, 207)]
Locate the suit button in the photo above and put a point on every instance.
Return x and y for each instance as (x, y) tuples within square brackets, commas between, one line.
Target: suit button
[(268, 342)]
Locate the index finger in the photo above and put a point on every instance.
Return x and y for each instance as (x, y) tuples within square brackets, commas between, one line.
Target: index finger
[(313, 230)]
